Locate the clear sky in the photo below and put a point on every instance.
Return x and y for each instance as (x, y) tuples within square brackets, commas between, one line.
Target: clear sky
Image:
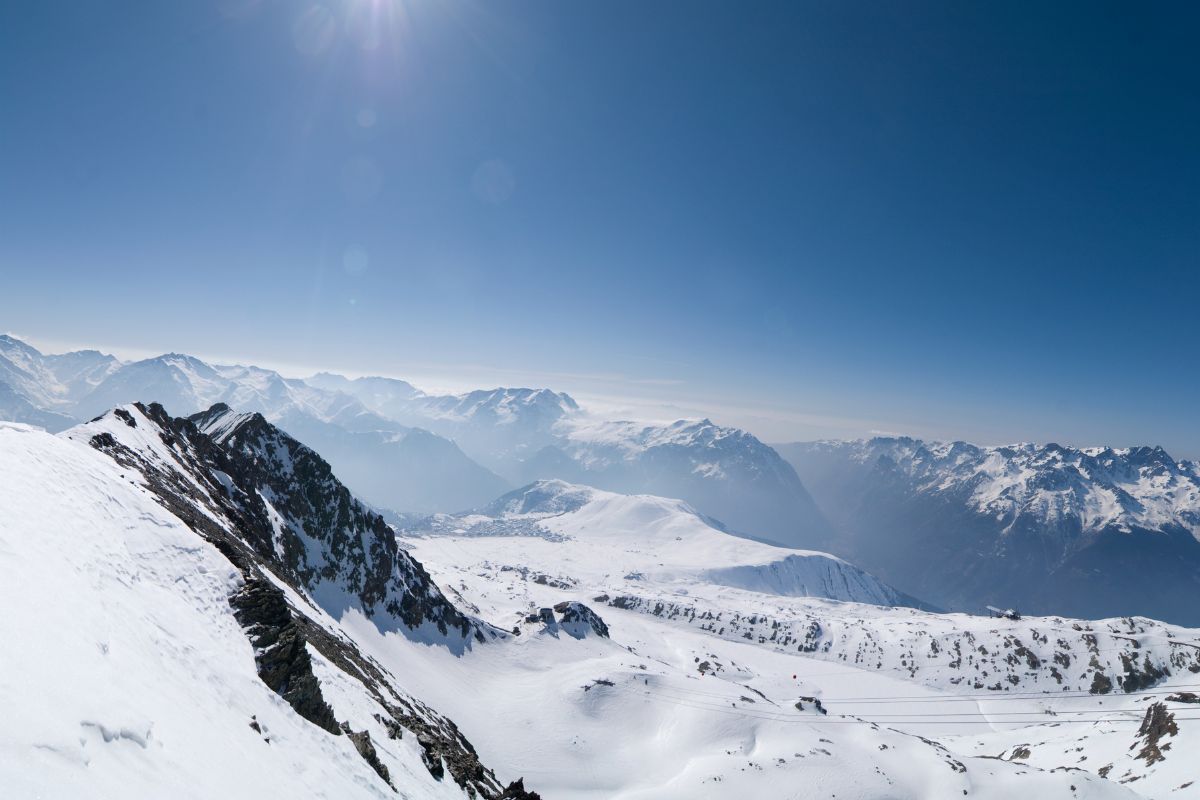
[(976, 220)]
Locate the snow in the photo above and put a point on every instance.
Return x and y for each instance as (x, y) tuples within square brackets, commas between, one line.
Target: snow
[(1126, 487), (663, 729), (666, 729), (124, 673), (134, 679), (573, 529)]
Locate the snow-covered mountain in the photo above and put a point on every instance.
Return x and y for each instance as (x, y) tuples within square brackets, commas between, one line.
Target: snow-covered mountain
[(525, 435), (41, 390), (500, 427), (205, 592), (409, 451), (724, 472), (390, 464), (640, 538), (1053, 529), (387, 396), (195, 586)]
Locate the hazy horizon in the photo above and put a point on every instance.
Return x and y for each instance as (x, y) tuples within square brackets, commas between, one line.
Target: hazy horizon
[(458, 379), (954, 222)]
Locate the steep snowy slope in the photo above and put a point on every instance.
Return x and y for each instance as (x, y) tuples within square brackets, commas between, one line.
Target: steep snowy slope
[(309, 555), (162, 655), (1050, 529), (636, 538)]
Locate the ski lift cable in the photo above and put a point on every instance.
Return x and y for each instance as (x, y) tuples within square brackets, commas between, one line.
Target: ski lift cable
[(825, 720), (1041, 714)]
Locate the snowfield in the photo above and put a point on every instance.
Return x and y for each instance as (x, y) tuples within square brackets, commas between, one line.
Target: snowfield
[(594, 644), (646, 538), (125, 673), (703, 654)]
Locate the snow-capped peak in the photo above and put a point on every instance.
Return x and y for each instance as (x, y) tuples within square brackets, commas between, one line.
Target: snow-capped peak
[(1140, 487)]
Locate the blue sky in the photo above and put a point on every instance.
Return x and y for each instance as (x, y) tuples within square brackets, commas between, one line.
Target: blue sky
[(811, 219)]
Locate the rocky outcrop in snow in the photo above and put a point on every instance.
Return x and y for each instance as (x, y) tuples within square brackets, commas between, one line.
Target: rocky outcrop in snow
[(307, 553)]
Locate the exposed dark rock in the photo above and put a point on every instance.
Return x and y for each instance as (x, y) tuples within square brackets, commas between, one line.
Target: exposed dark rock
[(517, 791), (1138, 677), (1157, 723), (217, 488), (577, 619), (279, 651), (362, 743), (360, 549), (813, 701)]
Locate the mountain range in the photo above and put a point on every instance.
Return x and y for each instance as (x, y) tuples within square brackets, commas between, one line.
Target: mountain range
[(407, 451), (1044, 528), (1051, 529), (205, 609)]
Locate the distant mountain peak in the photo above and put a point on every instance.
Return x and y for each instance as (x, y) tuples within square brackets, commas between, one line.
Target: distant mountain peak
[(1059, 529)]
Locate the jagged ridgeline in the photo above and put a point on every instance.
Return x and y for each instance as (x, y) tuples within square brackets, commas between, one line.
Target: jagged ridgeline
[(306, 551), (1091, 533)]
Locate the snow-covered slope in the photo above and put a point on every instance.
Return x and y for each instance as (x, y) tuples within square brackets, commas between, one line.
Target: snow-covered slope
[(209, 581), (171, 596), (716, 691), (632, 539), (724, 472), (1092, 532)]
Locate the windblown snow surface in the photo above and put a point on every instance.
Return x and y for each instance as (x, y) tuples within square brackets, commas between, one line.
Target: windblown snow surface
[(124, 673)]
